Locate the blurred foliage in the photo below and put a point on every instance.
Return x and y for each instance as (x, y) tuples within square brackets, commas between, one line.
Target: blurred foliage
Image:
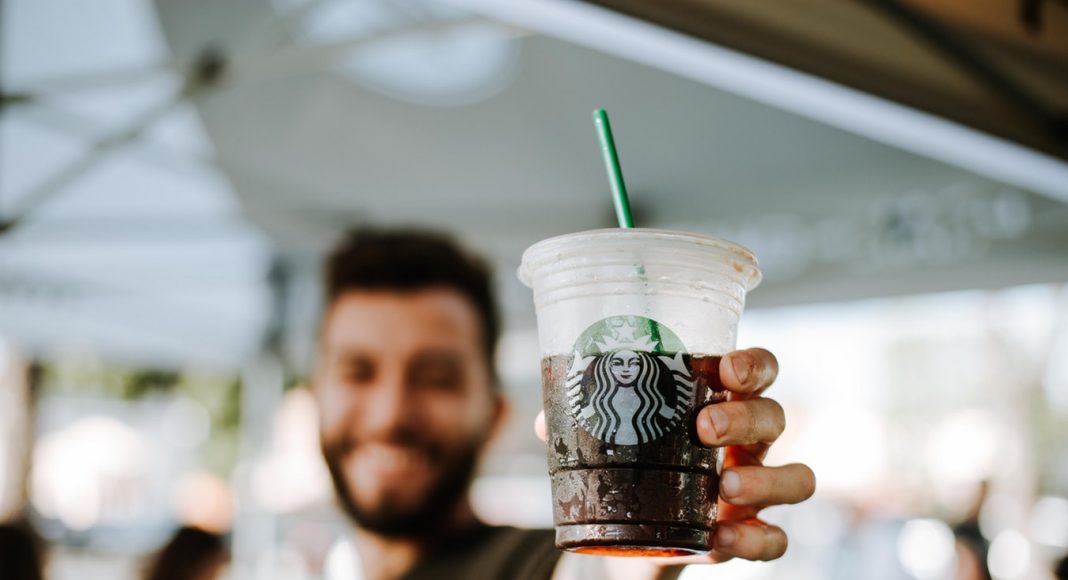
[(221, 396), (1051, 438), (219, 392), (139, 384)]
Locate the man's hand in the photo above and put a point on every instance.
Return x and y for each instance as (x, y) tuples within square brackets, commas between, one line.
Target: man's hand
[(746, 425)]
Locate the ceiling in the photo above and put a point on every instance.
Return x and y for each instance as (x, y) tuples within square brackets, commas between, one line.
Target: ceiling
[(318, 115)]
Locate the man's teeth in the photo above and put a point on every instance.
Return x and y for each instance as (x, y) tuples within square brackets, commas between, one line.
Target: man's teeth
[(392, 458)]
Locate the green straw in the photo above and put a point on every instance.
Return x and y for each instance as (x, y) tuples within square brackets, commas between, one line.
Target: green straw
[(611, 165), (619, 192)]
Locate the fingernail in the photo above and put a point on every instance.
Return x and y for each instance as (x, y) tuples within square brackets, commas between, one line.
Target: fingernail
[(719, 420), (730, 484), (704, 424), (741, 364), (725, 536)]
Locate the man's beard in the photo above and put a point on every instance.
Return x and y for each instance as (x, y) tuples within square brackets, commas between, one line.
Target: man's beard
[(426, 515)]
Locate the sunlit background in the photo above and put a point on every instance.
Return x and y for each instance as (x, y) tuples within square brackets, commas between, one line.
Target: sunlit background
[(171, 173)]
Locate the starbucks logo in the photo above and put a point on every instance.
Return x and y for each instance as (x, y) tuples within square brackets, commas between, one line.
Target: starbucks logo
[(629, 382)]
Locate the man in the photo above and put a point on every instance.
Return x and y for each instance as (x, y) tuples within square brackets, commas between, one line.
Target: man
[(408, 397)]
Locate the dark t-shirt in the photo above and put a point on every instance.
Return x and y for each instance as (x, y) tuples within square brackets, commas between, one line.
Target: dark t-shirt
[(491, 553)]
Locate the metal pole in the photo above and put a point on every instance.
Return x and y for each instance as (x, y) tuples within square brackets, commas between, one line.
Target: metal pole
[(255, 533)]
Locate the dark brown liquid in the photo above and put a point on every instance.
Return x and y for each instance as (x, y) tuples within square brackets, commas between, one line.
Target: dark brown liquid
[(646, 498)]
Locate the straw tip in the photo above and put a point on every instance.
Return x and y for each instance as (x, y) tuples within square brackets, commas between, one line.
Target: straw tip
[(599, 114)]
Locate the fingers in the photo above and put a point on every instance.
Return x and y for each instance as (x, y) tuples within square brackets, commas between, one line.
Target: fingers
[(740, 422), (763, 486), (748, 371), (539, 425), (745, 454), (752, 540)]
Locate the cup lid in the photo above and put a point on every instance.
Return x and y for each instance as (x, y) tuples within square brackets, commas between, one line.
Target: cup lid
[(552, 250)]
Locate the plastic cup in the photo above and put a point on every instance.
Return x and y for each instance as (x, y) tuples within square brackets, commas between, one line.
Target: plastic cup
[(632, 324)]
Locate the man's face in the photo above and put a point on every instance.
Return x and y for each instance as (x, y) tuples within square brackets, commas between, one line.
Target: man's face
[(406, 404)]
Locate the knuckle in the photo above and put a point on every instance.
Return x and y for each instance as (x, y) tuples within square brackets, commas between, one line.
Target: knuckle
[(739, 417), (757, 483), (751, 422)]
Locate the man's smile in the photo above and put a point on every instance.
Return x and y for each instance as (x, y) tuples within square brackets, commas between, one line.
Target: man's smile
[(387, 461)]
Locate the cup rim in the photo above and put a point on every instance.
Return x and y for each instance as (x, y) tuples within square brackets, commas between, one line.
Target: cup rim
[(544, 247)]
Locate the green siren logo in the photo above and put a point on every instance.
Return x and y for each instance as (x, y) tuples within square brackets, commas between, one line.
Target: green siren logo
[(629, 382)]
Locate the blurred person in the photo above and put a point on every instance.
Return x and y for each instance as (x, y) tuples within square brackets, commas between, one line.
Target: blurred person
[(1060, 570), (969, 566), (191, 554), (409, 398), (20, 553), (971, 546)]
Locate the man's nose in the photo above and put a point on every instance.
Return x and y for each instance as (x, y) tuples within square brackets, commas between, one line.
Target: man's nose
[(387, 409)]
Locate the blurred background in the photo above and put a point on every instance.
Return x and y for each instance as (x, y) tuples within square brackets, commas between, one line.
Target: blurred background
[(171, 173)]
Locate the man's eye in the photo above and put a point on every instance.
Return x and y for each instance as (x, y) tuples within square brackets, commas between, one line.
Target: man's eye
[(358, 372), (442, 376)]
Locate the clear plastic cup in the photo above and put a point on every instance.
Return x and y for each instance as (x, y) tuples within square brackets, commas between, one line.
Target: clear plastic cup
[(632, 324)]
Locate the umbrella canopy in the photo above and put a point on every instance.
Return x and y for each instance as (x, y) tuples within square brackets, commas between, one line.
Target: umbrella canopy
[(119, 236), (474, 117), (999, 67)]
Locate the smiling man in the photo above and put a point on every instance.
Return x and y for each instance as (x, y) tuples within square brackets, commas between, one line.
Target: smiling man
[(409, 398)]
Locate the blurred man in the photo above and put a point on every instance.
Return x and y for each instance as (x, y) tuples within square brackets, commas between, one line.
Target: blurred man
[(190, 554), (971, 547), (409, 398), (1060, 570), (20, 552)]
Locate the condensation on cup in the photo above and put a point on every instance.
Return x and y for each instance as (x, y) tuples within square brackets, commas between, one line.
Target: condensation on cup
[(632, 324)]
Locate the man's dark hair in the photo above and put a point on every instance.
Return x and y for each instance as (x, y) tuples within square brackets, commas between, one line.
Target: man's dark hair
[(409, 260), (187, 555), (20, 552)]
